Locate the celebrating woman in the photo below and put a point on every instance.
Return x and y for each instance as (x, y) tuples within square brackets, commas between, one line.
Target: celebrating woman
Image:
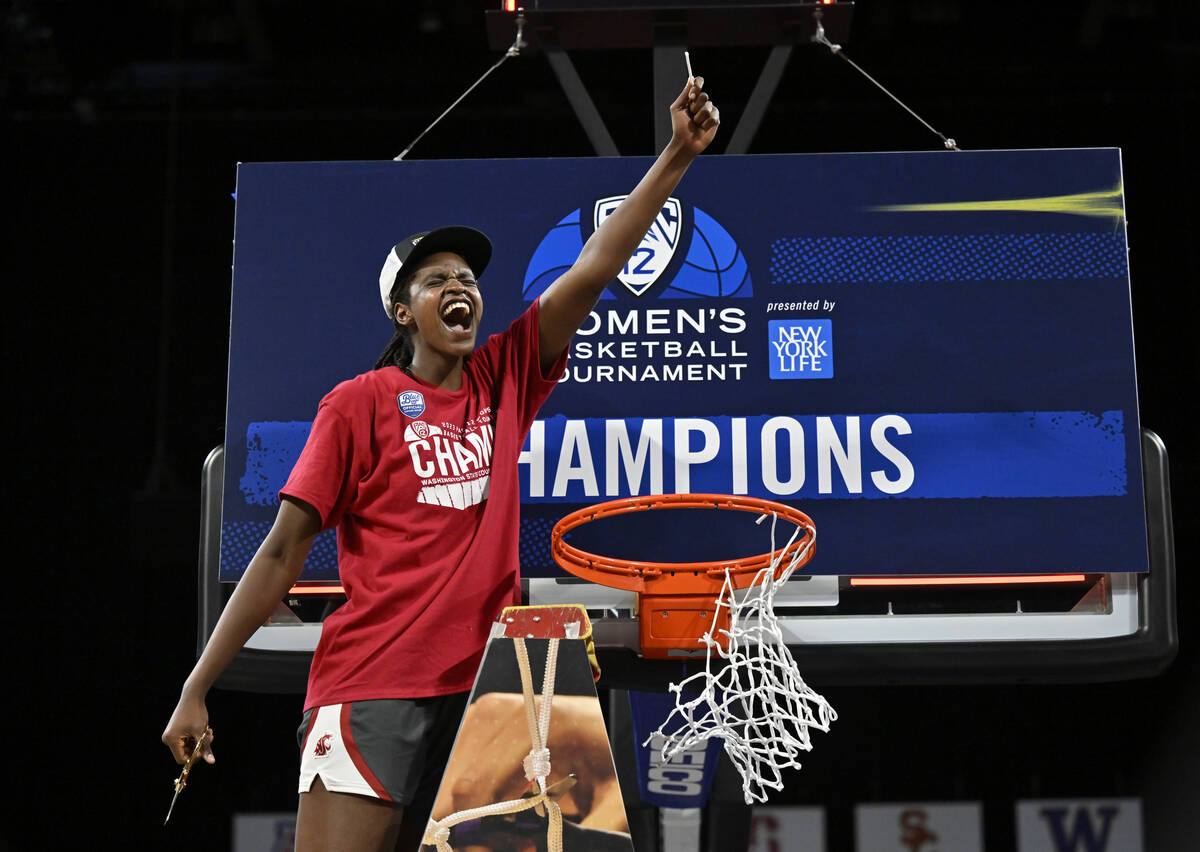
[(415, 464)]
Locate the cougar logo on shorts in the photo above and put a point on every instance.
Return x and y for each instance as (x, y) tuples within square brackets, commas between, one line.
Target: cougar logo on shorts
[(323, 745)]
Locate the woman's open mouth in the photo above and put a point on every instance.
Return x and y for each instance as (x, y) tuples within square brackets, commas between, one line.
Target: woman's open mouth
[(458, 315)]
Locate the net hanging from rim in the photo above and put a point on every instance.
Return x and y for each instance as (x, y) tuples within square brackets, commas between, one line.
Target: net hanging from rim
[(750, 694)]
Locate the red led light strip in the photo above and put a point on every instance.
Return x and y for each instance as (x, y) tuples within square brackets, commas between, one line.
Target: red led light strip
[(316, 590), (967, 581)]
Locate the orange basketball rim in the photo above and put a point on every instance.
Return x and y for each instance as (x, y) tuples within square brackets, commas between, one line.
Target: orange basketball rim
[(677, 601)]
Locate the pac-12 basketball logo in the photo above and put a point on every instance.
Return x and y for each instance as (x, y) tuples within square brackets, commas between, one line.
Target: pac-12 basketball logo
[(650, 259), (686, 254)]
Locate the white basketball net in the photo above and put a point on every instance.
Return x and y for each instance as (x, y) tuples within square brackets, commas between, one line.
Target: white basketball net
[(756, 701)]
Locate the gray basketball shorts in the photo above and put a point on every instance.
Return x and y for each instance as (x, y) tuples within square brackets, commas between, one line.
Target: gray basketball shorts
[(393, 749)]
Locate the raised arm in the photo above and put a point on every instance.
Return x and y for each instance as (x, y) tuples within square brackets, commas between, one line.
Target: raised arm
[(272, 571), (565, 304)]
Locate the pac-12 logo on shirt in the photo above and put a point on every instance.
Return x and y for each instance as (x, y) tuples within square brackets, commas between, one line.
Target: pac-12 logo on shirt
[(411, 403), (686, 254), (421, 430)]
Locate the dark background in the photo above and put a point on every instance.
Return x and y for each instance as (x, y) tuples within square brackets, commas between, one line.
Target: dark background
[(124, 122)]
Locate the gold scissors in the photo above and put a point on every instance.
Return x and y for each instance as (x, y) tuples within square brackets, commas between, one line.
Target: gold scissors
[(182, 780)]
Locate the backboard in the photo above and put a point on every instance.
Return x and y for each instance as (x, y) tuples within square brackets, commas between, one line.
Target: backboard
[(930, 354)]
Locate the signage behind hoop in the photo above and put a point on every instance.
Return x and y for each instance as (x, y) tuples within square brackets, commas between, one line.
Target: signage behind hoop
[(1089, 825), (914, 345)]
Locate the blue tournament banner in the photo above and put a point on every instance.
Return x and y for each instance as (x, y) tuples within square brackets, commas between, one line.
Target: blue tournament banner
[(930, 354)]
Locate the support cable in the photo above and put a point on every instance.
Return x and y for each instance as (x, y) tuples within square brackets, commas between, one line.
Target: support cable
[(513, 50), (836, 49)]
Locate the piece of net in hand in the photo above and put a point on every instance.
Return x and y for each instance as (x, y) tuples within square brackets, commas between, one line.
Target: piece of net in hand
[(751, 694)]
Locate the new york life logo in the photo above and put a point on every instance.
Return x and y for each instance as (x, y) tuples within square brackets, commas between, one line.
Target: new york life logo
[(800, 348), (686, 254)]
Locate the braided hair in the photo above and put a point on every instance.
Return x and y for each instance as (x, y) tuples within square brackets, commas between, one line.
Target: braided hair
[(399, 351)]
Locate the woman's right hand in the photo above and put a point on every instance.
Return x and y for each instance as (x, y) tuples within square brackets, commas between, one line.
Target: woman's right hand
[(272, 571), (188, 724)]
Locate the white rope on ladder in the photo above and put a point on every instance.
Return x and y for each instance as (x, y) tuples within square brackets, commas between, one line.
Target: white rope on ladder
[(536, 763)]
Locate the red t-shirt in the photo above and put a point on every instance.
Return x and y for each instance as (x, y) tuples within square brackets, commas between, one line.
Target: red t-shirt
[(421, 484)]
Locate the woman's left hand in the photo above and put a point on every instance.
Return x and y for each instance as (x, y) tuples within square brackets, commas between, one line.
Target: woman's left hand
[(694, 118)]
